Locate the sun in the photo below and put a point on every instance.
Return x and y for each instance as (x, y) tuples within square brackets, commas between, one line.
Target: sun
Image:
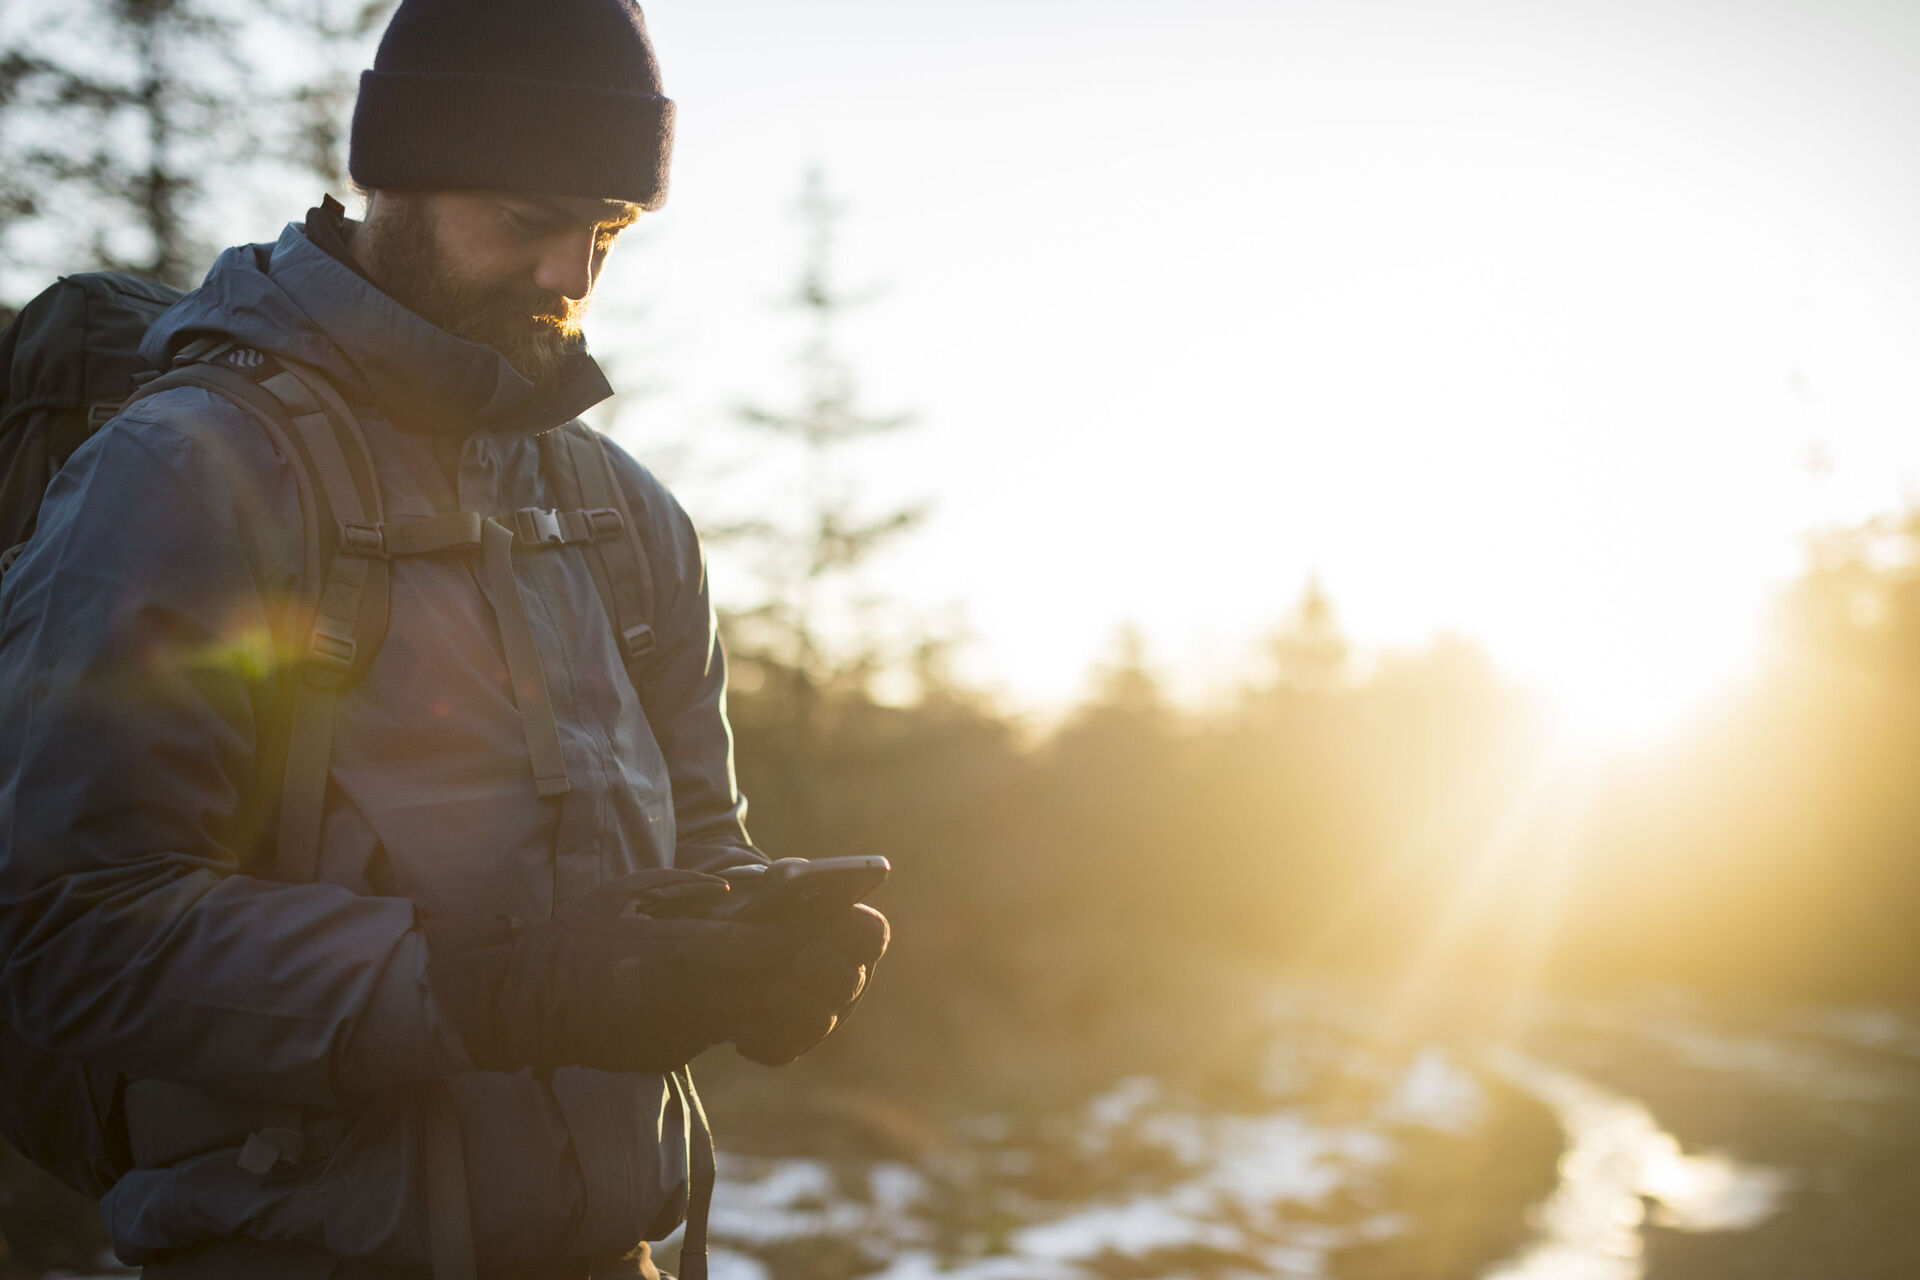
[(1631, 697), (1626, 692), (1620, 709)]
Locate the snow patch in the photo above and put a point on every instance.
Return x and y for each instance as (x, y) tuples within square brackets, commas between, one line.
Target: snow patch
[(920, 1265), (1117, 1108), (1436, 1093), (1246, 1169), (766, 1201)]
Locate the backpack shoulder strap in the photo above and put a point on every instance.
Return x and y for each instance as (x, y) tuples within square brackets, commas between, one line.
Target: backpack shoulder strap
[(261, 802), (578, 464), (313, 427), (349, 617)]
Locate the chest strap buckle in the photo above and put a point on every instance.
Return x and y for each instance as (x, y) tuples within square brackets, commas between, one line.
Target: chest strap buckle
[(539, 527)]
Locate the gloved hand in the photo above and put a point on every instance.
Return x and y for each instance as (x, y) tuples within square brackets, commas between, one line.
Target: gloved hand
[(813, 995), (624, 979)]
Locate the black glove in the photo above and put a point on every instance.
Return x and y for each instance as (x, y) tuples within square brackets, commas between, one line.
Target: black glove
[(813, 995), (624, 979)]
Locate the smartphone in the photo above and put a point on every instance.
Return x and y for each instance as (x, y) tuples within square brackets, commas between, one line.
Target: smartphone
[(793, 890)]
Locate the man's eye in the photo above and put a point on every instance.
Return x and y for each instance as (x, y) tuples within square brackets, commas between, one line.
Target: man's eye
[(526, 224)]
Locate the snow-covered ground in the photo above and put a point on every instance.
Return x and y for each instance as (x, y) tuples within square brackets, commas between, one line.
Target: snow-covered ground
[(1279, 1191)]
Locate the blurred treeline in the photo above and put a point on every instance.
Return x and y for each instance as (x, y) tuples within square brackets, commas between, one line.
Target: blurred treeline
[(1409, 821)]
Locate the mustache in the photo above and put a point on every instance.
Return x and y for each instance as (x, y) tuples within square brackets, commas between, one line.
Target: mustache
[(549, 308)]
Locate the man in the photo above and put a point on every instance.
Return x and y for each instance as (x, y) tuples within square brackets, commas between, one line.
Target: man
[(505, 936)]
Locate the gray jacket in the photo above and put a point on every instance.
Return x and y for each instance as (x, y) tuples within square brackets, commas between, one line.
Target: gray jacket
[(134, 639)]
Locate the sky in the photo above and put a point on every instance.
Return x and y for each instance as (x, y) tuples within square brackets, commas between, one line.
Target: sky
[(1549, 324), (1553, 324)]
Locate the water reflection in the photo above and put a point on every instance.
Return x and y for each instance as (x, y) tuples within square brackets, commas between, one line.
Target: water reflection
[(1618, 1163)]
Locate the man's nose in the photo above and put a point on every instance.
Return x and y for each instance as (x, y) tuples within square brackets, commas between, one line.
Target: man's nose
[(565, 266)]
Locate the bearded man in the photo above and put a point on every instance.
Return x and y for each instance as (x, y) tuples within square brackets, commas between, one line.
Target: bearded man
[(454, 1046)]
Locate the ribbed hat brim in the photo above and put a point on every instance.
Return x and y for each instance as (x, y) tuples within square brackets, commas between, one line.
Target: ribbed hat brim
[(442, 131)]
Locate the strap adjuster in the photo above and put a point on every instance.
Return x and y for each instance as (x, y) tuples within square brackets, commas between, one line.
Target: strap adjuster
[(365, 540), (331, 653), (331, 648), (637, 641), (604, 522)]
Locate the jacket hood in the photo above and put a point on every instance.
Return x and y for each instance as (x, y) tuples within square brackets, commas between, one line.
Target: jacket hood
[(295, 300)]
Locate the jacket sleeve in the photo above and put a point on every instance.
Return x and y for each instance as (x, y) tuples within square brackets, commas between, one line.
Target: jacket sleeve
[(135, 663), (684, 687)]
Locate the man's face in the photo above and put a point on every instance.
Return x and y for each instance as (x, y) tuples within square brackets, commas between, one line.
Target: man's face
[(508, 270)]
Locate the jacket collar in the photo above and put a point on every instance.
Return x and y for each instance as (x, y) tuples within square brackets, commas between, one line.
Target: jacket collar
[(297, 300)]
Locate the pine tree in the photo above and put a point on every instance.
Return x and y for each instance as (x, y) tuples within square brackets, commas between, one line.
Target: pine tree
[(1311, 653), (808, 555), (134, 133), (120, 117), (335, 34)]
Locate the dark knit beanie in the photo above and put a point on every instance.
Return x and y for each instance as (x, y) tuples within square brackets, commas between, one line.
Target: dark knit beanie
[(551, 97)]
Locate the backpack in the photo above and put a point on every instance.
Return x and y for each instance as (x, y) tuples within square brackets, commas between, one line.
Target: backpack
[(69, 363)]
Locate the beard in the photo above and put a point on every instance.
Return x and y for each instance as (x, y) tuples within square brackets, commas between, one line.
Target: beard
[(538, 333)]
